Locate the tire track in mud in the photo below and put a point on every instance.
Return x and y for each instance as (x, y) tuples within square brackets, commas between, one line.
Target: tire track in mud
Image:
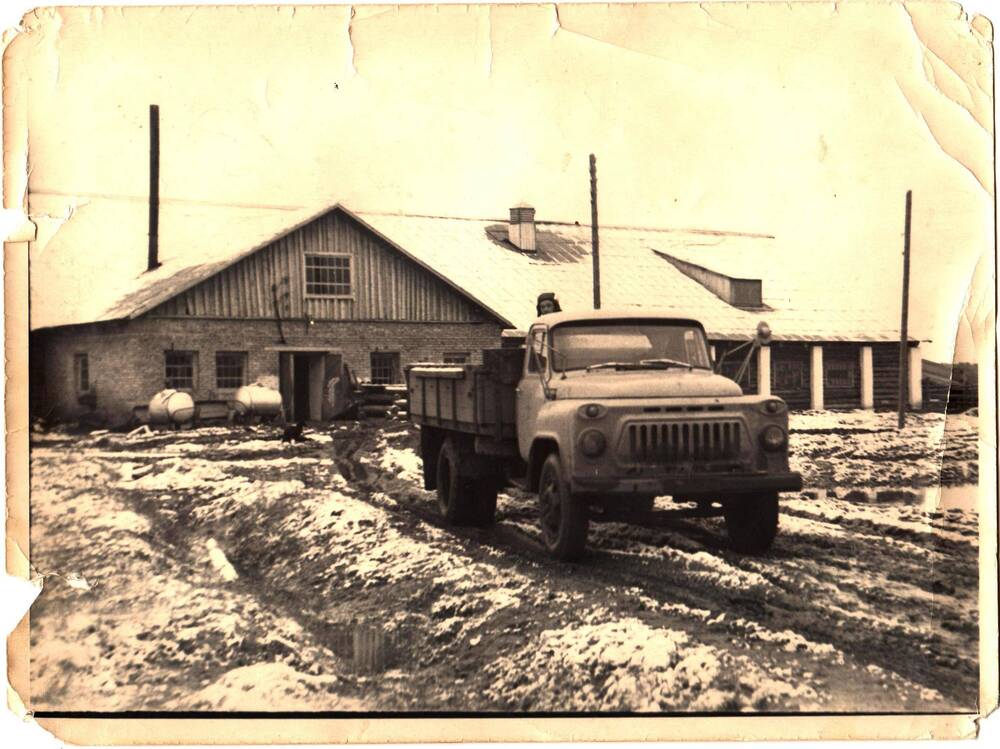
[(924, 638), (797, 600), (522, 552), (613, 563), (664, 576)]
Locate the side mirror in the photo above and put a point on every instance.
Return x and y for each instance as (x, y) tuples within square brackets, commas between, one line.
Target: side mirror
[(763, 333)]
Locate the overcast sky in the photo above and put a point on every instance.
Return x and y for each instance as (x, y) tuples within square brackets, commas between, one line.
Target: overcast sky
[(807, 122)]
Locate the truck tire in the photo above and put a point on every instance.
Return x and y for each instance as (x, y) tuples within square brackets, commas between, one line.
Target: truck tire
[(752, 522), (564, 522), (467, 486), (430, 448), (642, 503), (455, 489), (484, 506)]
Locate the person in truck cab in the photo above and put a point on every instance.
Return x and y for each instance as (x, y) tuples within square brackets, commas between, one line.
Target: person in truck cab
[(547, 304)]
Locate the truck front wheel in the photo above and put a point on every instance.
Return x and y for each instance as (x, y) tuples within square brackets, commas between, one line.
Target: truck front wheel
[(752, 522), (564, 522)]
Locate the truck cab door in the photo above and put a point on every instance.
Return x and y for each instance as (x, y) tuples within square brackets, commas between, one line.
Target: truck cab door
[(530, 391)]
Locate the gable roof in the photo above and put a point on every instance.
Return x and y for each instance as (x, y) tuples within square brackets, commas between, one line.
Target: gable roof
[(93, 268), (475, 254)]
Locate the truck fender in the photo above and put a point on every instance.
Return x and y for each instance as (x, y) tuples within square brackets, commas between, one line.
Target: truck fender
[(430, 447), (541, 448)]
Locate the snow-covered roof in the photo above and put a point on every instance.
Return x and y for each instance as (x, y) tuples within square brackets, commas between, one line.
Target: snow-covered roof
[(475, 255), (93, 268)]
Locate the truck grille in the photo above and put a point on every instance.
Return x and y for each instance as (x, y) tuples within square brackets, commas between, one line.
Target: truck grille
[(682, 441)]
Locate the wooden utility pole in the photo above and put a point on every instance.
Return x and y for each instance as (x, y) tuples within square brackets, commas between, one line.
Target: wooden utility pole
[(154, 187), (595, 244), (904, 354)]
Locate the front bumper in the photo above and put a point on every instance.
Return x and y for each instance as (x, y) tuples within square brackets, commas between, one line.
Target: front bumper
[(693, 485)]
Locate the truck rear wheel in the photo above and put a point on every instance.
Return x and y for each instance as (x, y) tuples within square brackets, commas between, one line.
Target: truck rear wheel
[(466, 487), (484, 508), (430, 448), (454, 490), (752, 522), (564, 522)]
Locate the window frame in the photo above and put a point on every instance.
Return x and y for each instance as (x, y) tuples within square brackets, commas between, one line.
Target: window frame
[(394, 362), (536, 362), (782, 367), (194, 369), (81, 363), (305, 275), (244, 358), (840, 368)]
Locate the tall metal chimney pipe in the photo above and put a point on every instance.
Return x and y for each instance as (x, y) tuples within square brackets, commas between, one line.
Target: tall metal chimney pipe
[(594, 239), (154, 187)]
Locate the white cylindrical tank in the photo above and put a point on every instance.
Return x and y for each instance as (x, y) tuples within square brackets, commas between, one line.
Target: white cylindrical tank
[(256, 400), (171, 406)]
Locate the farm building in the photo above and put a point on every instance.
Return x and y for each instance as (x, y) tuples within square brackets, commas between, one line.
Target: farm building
[(950, 387), (286, 296)]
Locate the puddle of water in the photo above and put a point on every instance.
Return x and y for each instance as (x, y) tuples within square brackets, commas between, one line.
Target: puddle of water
[(943, 498), (368, 648), (929, 499)]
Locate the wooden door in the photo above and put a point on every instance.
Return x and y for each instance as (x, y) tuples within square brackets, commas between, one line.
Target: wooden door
[(286, 383), (334, 400)]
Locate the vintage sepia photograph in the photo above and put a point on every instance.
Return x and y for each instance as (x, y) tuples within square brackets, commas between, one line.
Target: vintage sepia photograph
[(506, 361)]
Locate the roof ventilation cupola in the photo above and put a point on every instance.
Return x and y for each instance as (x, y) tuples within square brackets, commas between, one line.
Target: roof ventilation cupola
[(521, 230)]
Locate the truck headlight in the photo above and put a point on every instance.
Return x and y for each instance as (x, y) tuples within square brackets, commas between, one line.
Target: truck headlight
[(773, 406), (773, 438), (592, 411), (592, 443)]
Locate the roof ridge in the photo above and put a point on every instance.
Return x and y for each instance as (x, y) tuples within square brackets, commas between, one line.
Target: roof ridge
[(622, 227), (319, 206)]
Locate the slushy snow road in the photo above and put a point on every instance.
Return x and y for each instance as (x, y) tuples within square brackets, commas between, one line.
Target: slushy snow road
[(220, 569)]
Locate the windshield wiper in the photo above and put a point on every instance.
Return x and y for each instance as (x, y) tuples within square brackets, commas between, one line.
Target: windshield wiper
[(667, 363), (613, 365)]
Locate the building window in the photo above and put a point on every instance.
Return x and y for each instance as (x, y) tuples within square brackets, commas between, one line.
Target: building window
[(179, 369), (840, 375), (81, 373), (789, 375), (385, 367), (230, 369), (456, 357), (328, 275)]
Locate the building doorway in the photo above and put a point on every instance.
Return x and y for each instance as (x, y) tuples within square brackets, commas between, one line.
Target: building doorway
[(304, 379)]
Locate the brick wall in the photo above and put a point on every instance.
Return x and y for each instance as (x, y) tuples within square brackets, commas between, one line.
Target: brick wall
[(126, 359)]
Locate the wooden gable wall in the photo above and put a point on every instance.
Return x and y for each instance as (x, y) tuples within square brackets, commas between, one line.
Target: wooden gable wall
[(385, 285)]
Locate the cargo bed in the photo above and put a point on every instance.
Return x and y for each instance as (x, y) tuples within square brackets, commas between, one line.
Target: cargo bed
[(477, 399)]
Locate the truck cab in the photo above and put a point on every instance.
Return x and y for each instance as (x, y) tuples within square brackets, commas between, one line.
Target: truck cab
[(611, 410)]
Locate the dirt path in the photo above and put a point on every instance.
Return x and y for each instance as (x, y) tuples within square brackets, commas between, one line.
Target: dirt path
[(220, 570)]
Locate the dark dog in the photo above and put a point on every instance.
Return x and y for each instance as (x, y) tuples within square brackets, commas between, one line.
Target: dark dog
[(293, 433)]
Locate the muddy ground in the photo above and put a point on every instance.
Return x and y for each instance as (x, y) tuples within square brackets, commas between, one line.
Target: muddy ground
[(221, 569)]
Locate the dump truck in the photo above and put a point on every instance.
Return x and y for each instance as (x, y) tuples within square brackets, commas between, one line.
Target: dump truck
[(601, 413)]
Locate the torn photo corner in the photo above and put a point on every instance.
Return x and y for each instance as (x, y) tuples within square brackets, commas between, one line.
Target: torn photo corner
[(502, 372)]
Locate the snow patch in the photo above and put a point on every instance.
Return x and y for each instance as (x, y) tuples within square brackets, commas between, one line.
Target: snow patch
[(271, 686), (627, 665)]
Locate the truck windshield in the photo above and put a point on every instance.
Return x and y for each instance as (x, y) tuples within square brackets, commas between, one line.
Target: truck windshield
[(628, 345)]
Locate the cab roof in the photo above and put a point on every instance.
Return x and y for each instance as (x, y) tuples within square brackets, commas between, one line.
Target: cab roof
[(601, 315)]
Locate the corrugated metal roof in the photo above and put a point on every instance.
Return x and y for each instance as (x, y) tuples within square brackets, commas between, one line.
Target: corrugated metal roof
[(476, 255), (93, 268)]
